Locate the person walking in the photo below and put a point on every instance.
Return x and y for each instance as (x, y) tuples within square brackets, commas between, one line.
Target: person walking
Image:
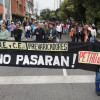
[(27, 30), (8, 25), (93, 33), (59, 30), (17, 33), (64, 28), (24, 24), (77, 32), (51, 33), (12, 27), (4, 33), (32, 28), (67, 28), (35, 27), (45, 30), (39, 32), (73, 33), (80, 30), (85, 34)]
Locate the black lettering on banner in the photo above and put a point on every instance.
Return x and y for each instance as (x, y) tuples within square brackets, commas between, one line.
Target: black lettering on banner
[(13, 45), (4, 44), (48, 46)]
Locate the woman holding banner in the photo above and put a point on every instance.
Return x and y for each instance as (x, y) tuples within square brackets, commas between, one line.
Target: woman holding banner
[(4, 33)]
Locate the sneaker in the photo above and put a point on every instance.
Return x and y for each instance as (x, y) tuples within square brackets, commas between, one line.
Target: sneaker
[(98, 93), (26, 39)]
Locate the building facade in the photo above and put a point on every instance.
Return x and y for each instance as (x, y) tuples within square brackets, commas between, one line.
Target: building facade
[(5, 10), (18, 10), (1, 9), (29, 9)]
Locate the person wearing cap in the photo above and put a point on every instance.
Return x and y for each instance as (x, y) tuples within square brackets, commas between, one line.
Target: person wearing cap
[(51, 33), (4, 33)]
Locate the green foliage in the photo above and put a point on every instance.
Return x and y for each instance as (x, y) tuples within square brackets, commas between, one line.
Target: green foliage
[(92, 10), (80, 10), (87, 11), (45, 14)]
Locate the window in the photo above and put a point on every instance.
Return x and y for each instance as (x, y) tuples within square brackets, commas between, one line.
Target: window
[(24, 8), (20, 7), (17, 4)]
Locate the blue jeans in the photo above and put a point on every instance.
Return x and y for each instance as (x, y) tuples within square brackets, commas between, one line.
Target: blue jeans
[(92, 39), (31, 33), (97, 82), (27, 35)]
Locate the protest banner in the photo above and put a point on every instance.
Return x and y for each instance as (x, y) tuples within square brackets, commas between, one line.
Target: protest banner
[(50, 55)]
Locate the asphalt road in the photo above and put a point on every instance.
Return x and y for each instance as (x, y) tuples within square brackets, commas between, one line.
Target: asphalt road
[(18, 83)]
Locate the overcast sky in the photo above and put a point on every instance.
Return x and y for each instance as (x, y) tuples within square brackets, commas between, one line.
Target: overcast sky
[(42, 4)]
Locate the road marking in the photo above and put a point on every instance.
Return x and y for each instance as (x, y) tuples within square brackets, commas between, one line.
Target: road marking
[(6, 80), (65, 72)]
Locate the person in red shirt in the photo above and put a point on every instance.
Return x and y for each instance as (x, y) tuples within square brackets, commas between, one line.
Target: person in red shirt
[(64, 28)]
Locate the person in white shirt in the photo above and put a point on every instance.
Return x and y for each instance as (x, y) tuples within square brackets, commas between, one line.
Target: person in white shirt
[(59, 30), (93, 33), (27, 30), (90, 27)]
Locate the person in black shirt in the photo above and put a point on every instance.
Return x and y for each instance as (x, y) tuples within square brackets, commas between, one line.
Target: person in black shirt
[(17, 33), (39, 32), (24, 24)]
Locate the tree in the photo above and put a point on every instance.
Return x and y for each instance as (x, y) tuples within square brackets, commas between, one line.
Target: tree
[(45, 14), (92, 10), (72, 8), (80, 10)]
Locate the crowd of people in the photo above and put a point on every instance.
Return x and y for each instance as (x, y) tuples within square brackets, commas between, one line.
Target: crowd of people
[(48, 31)]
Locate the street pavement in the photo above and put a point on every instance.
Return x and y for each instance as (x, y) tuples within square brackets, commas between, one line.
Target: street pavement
[(19, 83)]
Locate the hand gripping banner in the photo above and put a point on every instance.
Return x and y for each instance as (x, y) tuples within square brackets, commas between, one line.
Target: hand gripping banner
[(84, 56)]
